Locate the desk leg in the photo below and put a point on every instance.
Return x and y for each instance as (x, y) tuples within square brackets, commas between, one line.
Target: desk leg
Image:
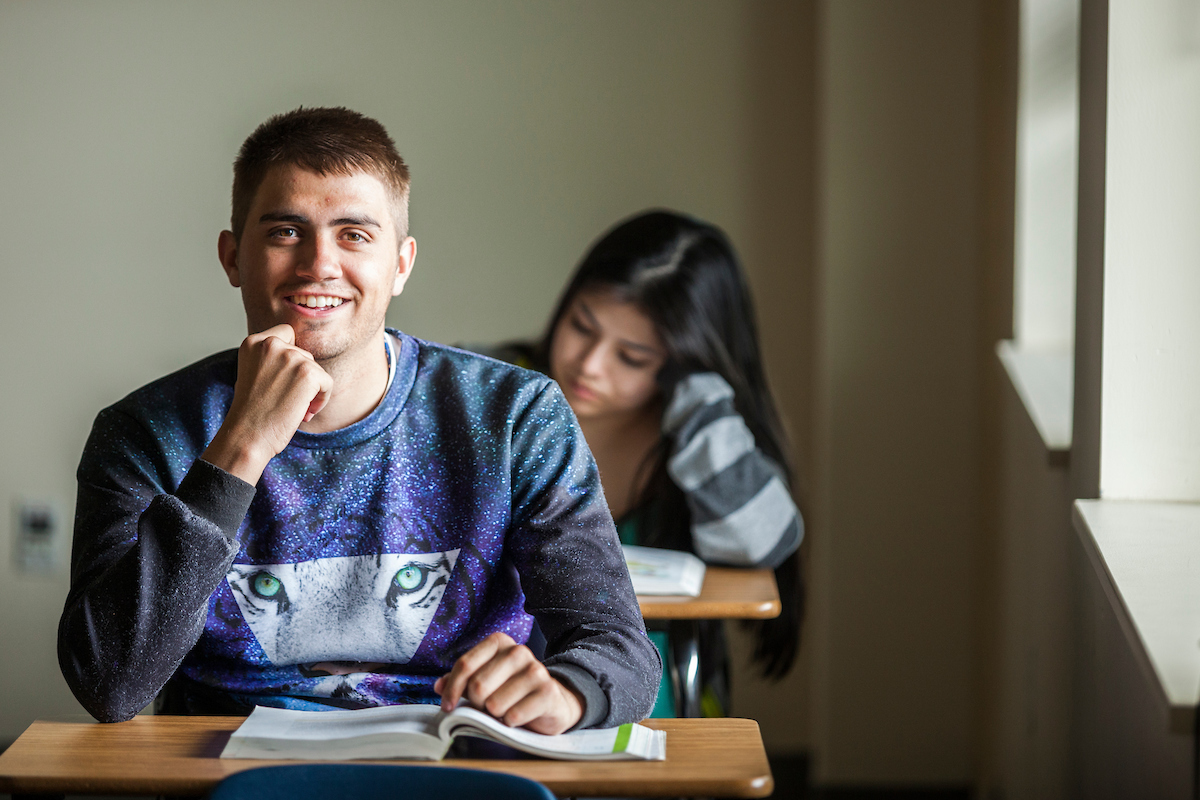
[(685, 666)]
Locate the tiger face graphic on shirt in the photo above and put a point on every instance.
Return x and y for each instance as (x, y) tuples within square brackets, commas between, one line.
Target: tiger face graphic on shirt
[(364, 608)]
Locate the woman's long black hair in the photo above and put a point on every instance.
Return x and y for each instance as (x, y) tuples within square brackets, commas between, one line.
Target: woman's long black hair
[(684, 275)]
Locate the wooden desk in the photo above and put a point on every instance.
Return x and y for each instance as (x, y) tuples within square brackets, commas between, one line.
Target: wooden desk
[(727, 593), (178, 756)]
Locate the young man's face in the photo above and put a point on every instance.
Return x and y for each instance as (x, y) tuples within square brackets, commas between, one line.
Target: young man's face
[(321, 253)]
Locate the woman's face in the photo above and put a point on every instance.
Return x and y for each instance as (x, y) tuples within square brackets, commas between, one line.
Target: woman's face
[(605, 354)]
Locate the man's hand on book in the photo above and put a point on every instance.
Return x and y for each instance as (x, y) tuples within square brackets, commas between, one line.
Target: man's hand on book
[(506, 680)]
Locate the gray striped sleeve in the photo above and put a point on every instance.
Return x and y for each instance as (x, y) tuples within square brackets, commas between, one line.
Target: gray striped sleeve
[(742, 513), (731, 488), (745, 537), (715, 447), (692, 393)]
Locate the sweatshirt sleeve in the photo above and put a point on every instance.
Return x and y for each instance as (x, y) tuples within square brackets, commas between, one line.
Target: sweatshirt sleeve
[(742, 512), (145, 559), (572, 569)]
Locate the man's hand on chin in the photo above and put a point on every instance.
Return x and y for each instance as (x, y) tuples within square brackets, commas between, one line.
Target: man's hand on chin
[(506, 680), (279, 387)]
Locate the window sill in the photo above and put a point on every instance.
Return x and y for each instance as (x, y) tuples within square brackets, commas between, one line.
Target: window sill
[(1044, 380), (1147, 557)]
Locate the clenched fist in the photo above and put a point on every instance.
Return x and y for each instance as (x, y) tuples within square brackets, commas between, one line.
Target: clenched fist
[(279, 387)]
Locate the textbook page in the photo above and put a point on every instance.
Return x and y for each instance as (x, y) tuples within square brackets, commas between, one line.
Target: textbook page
[(409, 731), (656, 571), (624, 742)]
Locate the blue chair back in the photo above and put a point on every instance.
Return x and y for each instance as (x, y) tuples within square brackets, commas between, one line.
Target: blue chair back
[(375, 782)]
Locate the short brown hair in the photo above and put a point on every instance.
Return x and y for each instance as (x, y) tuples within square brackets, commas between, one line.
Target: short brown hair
[(327, 141)]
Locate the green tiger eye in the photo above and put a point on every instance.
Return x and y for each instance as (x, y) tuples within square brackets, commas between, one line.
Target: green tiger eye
[(409, 578), (266, 585)]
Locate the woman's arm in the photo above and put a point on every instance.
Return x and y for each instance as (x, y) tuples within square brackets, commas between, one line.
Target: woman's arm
[(742, 512)]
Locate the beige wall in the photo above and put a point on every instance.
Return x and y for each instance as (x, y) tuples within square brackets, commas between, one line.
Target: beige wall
[(905, 303), (530, 127)]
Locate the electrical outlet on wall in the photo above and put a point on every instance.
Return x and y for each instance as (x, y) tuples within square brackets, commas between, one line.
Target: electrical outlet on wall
[(38, 534)]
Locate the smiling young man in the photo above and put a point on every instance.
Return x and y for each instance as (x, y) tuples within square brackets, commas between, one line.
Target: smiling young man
[(338, 514)]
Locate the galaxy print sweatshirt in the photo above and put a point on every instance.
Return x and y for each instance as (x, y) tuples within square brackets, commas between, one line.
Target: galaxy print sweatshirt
[(365, 561)]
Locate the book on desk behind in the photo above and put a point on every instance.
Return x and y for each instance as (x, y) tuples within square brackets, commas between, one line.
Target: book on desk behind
[(422, 732), (655, 571)]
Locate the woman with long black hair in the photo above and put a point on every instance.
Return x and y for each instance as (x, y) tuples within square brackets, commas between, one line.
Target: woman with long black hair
[(655, 346)]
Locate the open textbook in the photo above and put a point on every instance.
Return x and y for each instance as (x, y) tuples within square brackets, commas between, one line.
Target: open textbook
[(422, 732), (657, 571)]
